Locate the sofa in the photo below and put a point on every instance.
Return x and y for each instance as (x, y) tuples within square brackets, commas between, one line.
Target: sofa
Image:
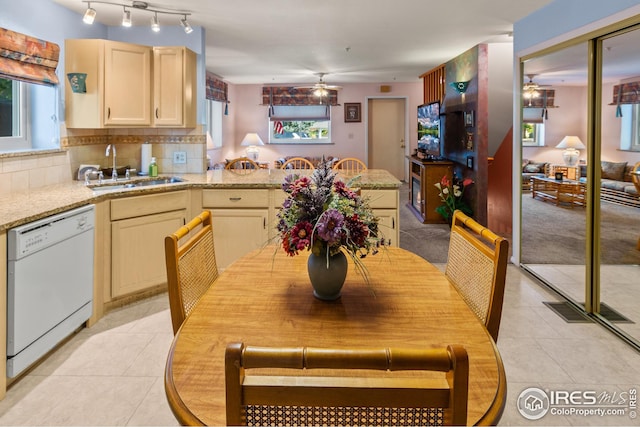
[(530, 169), (616, 184)]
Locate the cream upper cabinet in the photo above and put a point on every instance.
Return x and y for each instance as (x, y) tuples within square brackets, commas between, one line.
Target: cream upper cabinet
[(118, 84), (127, 84), (174, 87)]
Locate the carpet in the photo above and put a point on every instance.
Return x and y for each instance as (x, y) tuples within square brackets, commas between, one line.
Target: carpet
[(430, 241), (556, 234)]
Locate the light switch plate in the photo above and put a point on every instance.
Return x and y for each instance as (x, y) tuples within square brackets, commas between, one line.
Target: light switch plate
[(179, 157)]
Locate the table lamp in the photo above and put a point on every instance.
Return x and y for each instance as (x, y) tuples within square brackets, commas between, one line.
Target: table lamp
[(251, 141), (571, 145)]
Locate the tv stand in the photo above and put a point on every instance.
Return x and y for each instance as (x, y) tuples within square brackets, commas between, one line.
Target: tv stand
[(423, 194)]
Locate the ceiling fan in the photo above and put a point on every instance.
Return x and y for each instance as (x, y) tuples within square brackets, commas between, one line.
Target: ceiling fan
[(320, 88), (531, 89)]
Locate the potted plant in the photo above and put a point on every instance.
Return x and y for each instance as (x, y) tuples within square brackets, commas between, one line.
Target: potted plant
[(451, 194)]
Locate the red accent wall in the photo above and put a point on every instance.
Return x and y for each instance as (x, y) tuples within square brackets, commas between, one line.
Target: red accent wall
[(500, 188)]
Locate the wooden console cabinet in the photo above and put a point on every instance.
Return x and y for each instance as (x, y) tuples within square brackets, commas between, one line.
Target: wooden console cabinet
[(423, 194)]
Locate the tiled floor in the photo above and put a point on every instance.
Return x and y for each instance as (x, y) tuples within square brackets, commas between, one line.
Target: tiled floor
[(111, 374)]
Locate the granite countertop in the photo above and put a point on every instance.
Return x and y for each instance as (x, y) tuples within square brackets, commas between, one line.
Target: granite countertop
[(18, 209)]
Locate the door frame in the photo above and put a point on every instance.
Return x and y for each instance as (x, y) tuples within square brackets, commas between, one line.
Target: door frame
[(406, 129)]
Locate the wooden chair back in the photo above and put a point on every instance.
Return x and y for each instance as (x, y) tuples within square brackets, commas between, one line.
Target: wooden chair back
[(191, 267), (242, 165), (350, 164), (297, 163), (477, 267), (351, 393)]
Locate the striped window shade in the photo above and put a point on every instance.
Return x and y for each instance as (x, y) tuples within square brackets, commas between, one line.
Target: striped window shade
[(216, 89), (27, 58), (625, 93), (285, 95)]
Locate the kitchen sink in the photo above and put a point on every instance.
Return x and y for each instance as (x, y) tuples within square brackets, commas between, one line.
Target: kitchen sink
[(119, 185)]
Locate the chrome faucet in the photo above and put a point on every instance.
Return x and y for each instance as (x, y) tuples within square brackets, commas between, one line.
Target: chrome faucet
[(114, 172)]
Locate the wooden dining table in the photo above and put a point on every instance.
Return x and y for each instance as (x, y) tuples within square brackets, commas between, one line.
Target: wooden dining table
[(265, 299)]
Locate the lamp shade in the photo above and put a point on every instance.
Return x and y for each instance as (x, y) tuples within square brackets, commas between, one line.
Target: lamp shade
[(251, 139), (571, 142), (571, 145)]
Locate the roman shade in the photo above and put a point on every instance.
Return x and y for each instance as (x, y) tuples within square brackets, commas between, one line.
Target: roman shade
[(216, 89), (286, 95), (625, 93), (27, 58)]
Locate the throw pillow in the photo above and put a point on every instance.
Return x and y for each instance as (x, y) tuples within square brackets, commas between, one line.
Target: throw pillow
[(613, 170), (532, 168)]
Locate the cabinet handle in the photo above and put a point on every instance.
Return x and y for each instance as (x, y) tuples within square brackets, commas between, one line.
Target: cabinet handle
[(264, 223), (235, 199), (108, 113), (393, 223), (156, 113)]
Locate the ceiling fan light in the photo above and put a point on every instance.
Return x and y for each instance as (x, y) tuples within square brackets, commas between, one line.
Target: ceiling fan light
[(126, 18), (320, 92), (89, 15)]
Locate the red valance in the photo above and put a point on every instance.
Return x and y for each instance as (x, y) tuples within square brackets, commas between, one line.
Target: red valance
[(27, 58), (626, 93), (217, 90), (286, 95)]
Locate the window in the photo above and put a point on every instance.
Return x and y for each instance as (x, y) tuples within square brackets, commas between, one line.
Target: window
[(630, 127), (214, 123), (532, 134), (13, 116), (300, 124)]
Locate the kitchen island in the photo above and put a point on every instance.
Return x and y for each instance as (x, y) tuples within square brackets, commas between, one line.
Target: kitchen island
[(131, 223)]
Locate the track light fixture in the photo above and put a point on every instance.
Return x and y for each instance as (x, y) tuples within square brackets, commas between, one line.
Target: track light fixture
[(155, 26), (90, 14), (185, 25), (126, 18)]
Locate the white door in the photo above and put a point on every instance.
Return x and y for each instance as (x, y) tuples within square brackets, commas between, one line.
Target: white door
[(387, 138)]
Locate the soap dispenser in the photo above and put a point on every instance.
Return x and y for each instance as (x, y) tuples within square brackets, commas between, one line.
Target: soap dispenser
[(153, 167)]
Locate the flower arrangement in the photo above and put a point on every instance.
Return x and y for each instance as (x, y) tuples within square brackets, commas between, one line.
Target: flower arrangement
[(323, 214), (451, 192)]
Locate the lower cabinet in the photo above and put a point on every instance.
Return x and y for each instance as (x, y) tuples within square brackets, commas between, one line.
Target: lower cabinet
[(384, 204), (240, 220), (137, 240)]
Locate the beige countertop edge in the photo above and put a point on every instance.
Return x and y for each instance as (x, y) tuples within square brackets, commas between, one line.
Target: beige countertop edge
[(19, 209)]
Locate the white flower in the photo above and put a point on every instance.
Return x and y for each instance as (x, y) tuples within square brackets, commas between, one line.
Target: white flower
[(445, 190), (438, 186), (457, 192)]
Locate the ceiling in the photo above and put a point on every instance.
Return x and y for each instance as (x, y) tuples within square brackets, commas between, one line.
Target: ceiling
[(353, 41)]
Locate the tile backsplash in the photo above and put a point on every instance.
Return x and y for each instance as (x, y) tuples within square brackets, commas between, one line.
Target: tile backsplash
[(23, 171)]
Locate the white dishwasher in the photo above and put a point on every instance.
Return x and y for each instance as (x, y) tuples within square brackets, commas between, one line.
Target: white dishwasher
[(49, 283)]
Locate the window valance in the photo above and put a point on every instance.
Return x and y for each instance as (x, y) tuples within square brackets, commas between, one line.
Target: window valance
[(217, 90), (625, 93), (27, 58), (286, 95)]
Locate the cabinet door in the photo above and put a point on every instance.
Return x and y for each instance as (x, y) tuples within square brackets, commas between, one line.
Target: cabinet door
[(237, 232), (127, 84), (168, 84), (137, 251), (388, 225)]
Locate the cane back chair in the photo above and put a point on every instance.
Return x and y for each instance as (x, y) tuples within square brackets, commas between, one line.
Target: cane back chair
[(352, 393), (297, 163), (350, 164), (477, 267), (191, 267)]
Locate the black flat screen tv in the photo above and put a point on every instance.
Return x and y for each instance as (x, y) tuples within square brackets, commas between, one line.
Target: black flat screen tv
[(429, 128)]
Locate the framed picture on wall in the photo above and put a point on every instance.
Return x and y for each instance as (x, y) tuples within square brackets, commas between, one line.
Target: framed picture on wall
[(352, 112)]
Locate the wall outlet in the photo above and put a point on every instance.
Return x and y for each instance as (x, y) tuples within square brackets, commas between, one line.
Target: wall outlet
[(179, 157)]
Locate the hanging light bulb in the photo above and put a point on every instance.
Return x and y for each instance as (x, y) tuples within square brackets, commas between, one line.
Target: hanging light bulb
[(89, 15), (185, 25), (126, 18), (155, 26)]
